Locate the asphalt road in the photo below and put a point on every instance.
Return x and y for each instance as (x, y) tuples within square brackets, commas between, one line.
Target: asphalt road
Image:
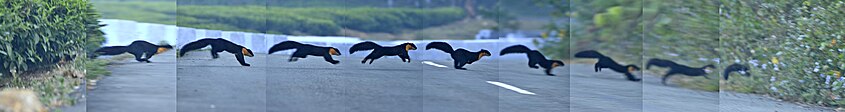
[(272, 84), (134, 87)]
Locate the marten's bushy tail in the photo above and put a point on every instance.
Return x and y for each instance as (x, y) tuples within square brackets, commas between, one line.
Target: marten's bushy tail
[(363, 46), (515, 49), (589, 54), (443, 46), (112, 50), (660, 63), (194, 46), (284, 46)]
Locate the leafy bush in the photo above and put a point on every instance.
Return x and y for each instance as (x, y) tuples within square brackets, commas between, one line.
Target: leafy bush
[(39, 33), (794, 47), (611, 27)]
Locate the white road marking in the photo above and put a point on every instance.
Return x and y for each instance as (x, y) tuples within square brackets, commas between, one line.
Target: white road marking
[(512, 88), (434, 64)]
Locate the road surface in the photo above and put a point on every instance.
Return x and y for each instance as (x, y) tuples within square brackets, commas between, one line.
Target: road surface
[(272, 84)]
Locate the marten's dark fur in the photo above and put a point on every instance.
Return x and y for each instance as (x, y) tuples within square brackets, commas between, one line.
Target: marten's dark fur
[(736, 67), (534, 58), (218, 45), (303, 50), (379, 51), (142, 50), (606, 62), (675, 68), (460, 56)]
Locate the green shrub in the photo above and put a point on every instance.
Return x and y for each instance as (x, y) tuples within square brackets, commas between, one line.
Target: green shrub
[(794, 46), (39, 33)]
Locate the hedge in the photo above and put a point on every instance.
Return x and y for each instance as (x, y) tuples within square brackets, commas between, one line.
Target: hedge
[(40, 33)]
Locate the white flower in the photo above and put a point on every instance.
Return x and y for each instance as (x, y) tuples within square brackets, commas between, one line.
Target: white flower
[(827, 80), (779, 53), (773, 88), (772, 79), (673, 54), (829, 60), (736, 61), (816, 69), (753, 62)]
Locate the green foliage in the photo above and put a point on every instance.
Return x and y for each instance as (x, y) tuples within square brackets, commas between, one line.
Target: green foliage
[(148, 12), (612, 27), (96, 68), (281, 20), (686, 32), (39, 33), (794, 46)]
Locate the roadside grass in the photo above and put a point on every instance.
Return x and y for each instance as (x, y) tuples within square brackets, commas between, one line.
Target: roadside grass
[(164, 12), (464, 29), (53, 86), (96, 68), (698, 82)]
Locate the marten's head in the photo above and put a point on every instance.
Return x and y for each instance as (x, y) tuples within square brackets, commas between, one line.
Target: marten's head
[(556, 63), (334, 51), (163, 48), (483, 53), (410, 46), (632, 68), (247, 52)]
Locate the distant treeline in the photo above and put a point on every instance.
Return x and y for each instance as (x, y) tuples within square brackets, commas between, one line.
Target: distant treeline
[(342, 3), (313, 21)]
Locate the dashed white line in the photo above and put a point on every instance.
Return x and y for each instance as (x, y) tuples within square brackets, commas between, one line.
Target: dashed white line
[(503, 85), (434, 64), (512, 88)]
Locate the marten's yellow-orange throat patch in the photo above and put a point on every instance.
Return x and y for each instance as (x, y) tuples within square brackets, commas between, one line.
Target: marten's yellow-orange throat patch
[(555, 65), (246, 52), (481, 55), (333, 52), (408, 47), (161, 50), (631, 69)]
